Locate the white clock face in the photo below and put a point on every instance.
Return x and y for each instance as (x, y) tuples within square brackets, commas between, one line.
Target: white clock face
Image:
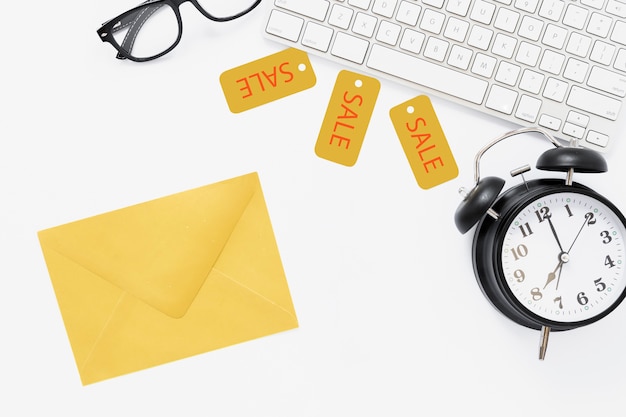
[(563, 257)]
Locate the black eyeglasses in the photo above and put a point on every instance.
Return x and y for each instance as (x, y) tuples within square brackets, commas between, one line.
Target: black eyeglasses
[(155, 27)]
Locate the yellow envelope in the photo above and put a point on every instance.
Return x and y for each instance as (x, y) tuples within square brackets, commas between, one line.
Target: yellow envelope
[(168, 278)]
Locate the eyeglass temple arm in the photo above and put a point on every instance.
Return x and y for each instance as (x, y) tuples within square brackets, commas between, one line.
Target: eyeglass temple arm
[(136, 21)]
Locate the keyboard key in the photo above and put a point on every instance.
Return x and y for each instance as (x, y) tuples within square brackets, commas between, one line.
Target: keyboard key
[(484, 65), (436, 49), (596, 4), (317, 36), (531, 81), (482, 12), (284, 25), (576, 70), (456, 29), (340, 16), (594, 103), (620, 60), (578, 119), (573, 130), (435, 3), (350, 47), (432, 21), (384, 7), (501, 99), (527, 5), (528, 54), (550, 122), (530, 28), (504, 45), (551, 9), (361, 4), (427, 74), (460, 57), (552, 62), (616, 7), (388, 33), (364, 24), (412, 41), (578, 44), (602, 53), (608, 81), (575, 16), (597, 138), (480, 37), (619, 33), (508, 73), (599, 25), (528, 108), (315, 9), (408, 13), (555, 36), (506, 20), (458, 7), (555, 89)]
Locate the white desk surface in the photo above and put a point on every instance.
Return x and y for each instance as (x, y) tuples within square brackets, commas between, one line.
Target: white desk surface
[(391, 319)]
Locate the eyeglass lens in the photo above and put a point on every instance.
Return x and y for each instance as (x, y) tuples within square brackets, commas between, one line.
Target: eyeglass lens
[(147, 31), (153, 29)]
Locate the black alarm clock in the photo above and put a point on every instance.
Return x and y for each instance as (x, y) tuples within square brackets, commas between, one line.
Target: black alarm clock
[(547, 253)]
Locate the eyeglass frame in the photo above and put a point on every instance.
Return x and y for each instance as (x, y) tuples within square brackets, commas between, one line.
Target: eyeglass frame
[(105, 32)]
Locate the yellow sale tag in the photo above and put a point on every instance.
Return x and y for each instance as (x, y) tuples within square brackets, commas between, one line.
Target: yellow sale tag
[(347, 117), (424, 142), (267, 79)]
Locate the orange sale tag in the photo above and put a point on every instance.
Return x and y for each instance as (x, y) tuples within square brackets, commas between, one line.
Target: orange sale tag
[(347, 117), (424, 142), (267, 79)]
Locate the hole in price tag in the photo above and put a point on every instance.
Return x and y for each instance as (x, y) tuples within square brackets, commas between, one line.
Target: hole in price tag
[(347, 117), (424, 142), (267, 79)]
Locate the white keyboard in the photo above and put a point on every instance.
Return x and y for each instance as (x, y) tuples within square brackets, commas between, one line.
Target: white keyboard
[(556, 64)]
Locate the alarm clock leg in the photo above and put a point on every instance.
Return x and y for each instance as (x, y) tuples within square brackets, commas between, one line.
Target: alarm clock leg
[(543, 345)]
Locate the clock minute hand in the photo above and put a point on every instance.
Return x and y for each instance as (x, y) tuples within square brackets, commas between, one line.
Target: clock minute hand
[(554, 233)]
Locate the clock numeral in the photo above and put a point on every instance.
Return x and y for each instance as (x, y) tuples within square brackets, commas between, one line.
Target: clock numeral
[(569, 211), (519, 252), (590, 218), (526, 230), (519, 275), (560, 301), (600, 286), (609, 262), (582, 299), (536, 294), (606, 238), (543, 213)]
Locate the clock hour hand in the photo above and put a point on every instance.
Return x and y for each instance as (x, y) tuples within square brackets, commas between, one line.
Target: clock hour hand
[(552, 275), (563, 258)]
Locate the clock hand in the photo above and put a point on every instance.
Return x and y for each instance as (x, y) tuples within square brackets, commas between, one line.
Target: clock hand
[(559, 277), (563, 258), (552, 275), (578, 234), (554, 232)]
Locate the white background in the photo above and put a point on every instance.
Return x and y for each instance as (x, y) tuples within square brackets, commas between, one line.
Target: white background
[(392, 321)]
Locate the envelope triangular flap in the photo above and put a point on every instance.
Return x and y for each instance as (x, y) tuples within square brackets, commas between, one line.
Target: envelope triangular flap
[(251, 259), (160, 251)]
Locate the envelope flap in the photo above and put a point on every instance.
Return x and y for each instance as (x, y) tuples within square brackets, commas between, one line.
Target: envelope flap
[(160, 251)]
